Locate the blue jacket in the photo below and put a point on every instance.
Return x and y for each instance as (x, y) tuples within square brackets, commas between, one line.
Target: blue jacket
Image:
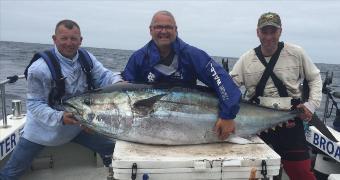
[(44, 124), (193, 64)]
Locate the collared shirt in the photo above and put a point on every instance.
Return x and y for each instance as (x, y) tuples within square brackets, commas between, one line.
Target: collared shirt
[(292, 67), (44, 124)]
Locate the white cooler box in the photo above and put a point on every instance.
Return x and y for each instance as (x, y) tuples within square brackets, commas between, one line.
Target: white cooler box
[(209, 161)]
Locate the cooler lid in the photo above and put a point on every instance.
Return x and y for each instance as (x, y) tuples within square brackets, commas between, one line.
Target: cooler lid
[(194, 156)]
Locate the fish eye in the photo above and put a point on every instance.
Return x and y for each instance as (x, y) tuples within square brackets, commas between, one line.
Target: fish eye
[(88, 101)]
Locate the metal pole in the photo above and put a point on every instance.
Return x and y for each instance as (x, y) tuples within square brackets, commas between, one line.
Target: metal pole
[(3, 99)]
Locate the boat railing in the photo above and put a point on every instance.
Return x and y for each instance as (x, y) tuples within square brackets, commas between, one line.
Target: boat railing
[(9, 80)]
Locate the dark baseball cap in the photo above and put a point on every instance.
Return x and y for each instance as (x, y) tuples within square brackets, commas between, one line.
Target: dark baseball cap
[(269, 19)]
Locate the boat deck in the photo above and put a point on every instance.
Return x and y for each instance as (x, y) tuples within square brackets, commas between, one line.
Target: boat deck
[(70, 162)]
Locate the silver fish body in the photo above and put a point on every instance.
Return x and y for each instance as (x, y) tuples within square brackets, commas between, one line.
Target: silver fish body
[(168, 115)]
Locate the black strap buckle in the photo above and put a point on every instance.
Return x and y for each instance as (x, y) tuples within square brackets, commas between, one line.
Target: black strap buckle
[(134, 171), (264, 169), (294, 103)]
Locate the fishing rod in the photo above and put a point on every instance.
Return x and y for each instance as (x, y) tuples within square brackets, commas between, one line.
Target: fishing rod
[(331, 95)]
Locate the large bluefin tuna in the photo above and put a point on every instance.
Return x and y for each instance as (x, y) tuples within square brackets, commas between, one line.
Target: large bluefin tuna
[(166, 115)]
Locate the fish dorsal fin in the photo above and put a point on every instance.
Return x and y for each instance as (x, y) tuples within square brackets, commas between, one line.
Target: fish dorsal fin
[(145, 106)]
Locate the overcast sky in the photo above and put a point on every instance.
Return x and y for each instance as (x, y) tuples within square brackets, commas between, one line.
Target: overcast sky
[(221, 28)]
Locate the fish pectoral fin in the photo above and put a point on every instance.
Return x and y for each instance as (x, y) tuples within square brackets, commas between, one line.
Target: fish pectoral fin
[(145, 106), (238, 140)]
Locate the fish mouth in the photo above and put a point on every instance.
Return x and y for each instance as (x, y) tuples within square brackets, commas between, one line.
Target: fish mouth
[(70, 108)]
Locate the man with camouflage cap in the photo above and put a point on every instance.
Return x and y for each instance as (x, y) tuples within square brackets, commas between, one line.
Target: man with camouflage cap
[(275, 70)]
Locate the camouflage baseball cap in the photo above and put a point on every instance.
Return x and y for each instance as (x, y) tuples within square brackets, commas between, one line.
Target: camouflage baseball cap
[(269, 19)]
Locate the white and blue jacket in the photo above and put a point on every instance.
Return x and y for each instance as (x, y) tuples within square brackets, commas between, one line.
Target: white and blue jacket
[(44, 124), (192, 64)]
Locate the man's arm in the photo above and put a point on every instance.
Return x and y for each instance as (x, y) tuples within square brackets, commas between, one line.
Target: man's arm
[(229, 98), (237, 73), (312, 75), (102, 76), (39, 83), (228, 93)]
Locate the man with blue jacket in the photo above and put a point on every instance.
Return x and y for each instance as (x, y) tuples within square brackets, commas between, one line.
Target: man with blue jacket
[(167, 59), (46, 125)]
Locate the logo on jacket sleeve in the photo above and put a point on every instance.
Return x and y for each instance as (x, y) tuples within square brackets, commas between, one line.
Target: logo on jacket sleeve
[(151, 77), (218, 81), (215, 75)]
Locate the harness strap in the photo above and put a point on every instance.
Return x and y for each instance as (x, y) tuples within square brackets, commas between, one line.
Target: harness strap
[(87, 65), (269, 72), (50, 58)]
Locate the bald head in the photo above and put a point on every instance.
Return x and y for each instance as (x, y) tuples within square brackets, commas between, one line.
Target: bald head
[(163, 30), (163, 12)]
